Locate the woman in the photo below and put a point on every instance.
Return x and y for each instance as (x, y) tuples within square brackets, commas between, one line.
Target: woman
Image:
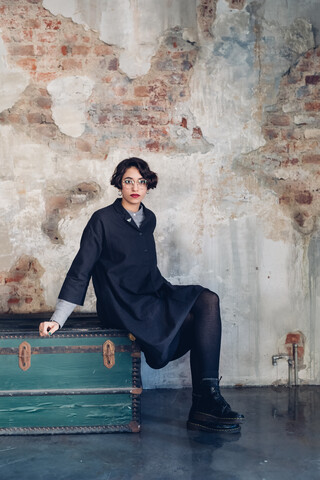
[(117, 250)]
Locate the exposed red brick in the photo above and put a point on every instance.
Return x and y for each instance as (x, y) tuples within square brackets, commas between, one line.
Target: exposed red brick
[(238, 4), (44, 102), (113, 64), (49, 131), (52, 24), (13, 300), (33, 23), (149, 120), (103, 50), (28, 299), (102, 119), (141, 91), (184, 123), (81, 50), (312, 79), (280, 120), (284, 200), (21, 50), (48, 37), (27, 63), (135, 103), (311, 158), (34, 117), (196, 133), (270, 133), (119, 91), (304, 66), (312, 106), (107, 79), (64, 50), (303, 198), (71, 64), (46, 76), (290, 161), (153, 146), (15, 278), (293, 338), (14, 118), (27, 34)]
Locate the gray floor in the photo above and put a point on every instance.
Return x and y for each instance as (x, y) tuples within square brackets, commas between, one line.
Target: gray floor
[(279, 440)]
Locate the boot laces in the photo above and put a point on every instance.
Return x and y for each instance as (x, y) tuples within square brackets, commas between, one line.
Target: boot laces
[(218, 398)]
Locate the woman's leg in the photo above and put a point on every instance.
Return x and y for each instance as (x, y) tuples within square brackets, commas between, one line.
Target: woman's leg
[(201, 334), (206, 342)]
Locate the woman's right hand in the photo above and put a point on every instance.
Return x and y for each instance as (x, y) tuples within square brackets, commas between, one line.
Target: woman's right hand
[(48, 328)]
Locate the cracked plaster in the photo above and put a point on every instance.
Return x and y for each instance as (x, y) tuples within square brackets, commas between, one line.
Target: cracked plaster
[(137, 41)]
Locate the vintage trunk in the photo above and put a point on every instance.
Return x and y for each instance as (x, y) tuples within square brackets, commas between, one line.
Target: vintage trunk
[(83, 379)]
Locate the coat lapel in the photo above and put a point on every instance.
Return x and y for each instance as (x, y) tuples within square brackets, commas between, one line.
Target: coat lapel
[(127, 217)]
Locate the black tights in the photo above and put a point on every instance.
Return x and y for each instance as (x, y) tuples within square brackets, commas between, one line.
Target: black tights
[(201, 334)]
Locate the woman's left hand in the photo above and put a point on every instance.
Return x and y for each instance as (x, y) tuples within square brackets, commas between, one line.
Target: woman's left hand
[(48, 328)]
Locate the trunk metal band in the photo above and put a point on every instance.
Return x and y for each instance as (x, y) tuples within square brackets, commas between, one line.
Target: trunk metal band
[(108, 351)]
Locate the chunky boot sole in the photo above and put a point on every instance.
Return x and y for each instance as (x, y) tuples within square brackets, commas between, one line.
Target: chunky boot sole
[(206, 418), (213, 428)]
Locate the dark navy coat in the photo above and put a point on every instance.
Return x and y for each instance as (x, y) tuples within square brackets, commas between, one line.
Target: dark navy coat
[(131, 292)]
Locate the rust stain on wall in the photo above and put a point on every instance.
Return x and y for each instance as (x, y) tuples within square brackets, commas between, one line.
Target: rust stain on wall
[(298, 338)]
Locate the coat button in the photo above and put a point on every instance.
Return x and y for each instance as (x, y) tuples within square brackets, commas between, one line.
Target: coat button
[(140, 234), (146, 250)]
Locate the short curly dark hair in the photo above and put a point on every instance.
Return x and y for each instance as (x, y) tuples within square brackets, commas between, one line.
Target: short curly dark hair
[(139, 164)]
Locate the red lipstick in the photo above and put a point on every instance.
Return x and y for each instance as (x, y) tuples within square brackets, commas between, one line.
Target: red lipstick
[(134, 195)]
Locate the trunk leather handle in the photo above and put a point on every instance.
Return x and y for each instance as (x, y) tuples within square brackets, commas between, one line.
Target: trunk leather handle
[(108, 351), (24, 356)]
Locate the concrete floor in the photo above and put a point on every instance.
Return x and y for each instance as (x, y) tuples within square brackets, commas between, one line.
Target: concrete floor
[(279, 440)]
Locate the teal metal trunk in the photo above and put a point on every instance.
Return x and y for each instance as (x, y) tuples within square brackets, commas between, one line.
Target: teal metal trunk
[(83, 379)]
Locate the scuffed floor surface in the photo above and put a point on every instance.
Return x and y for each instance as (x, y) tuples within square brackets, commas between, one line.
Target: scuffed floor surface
[(279, 440)]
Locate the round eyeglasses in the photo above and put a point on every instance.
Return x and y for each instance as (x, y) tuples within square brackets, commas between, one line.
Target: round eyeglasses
[(129, 182)]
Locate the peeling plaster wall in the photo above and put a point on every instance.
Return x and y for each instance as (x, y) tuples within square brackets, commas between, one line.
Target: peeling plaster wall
[(222, 98)]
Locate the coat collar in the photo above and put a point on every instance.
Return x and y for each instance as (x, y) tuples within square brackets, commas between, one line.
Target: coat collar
[(117, 205)]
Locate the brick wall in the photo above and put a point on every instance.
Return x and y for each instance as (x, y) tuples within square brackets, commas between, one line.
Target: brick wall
[(289, 162), (138, 112)]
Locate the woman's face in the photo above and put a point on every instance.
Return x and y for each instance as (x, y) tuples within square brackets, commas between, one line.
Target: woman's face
[(133, 189)]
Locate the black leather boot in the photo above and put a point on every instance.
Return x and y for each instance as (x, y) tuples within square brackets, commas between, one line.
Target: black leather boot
[(210, 411)]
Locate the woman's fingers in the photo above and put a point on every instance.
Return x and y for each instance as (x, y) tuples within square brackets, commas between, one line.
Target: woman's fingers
[(48, 328)]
